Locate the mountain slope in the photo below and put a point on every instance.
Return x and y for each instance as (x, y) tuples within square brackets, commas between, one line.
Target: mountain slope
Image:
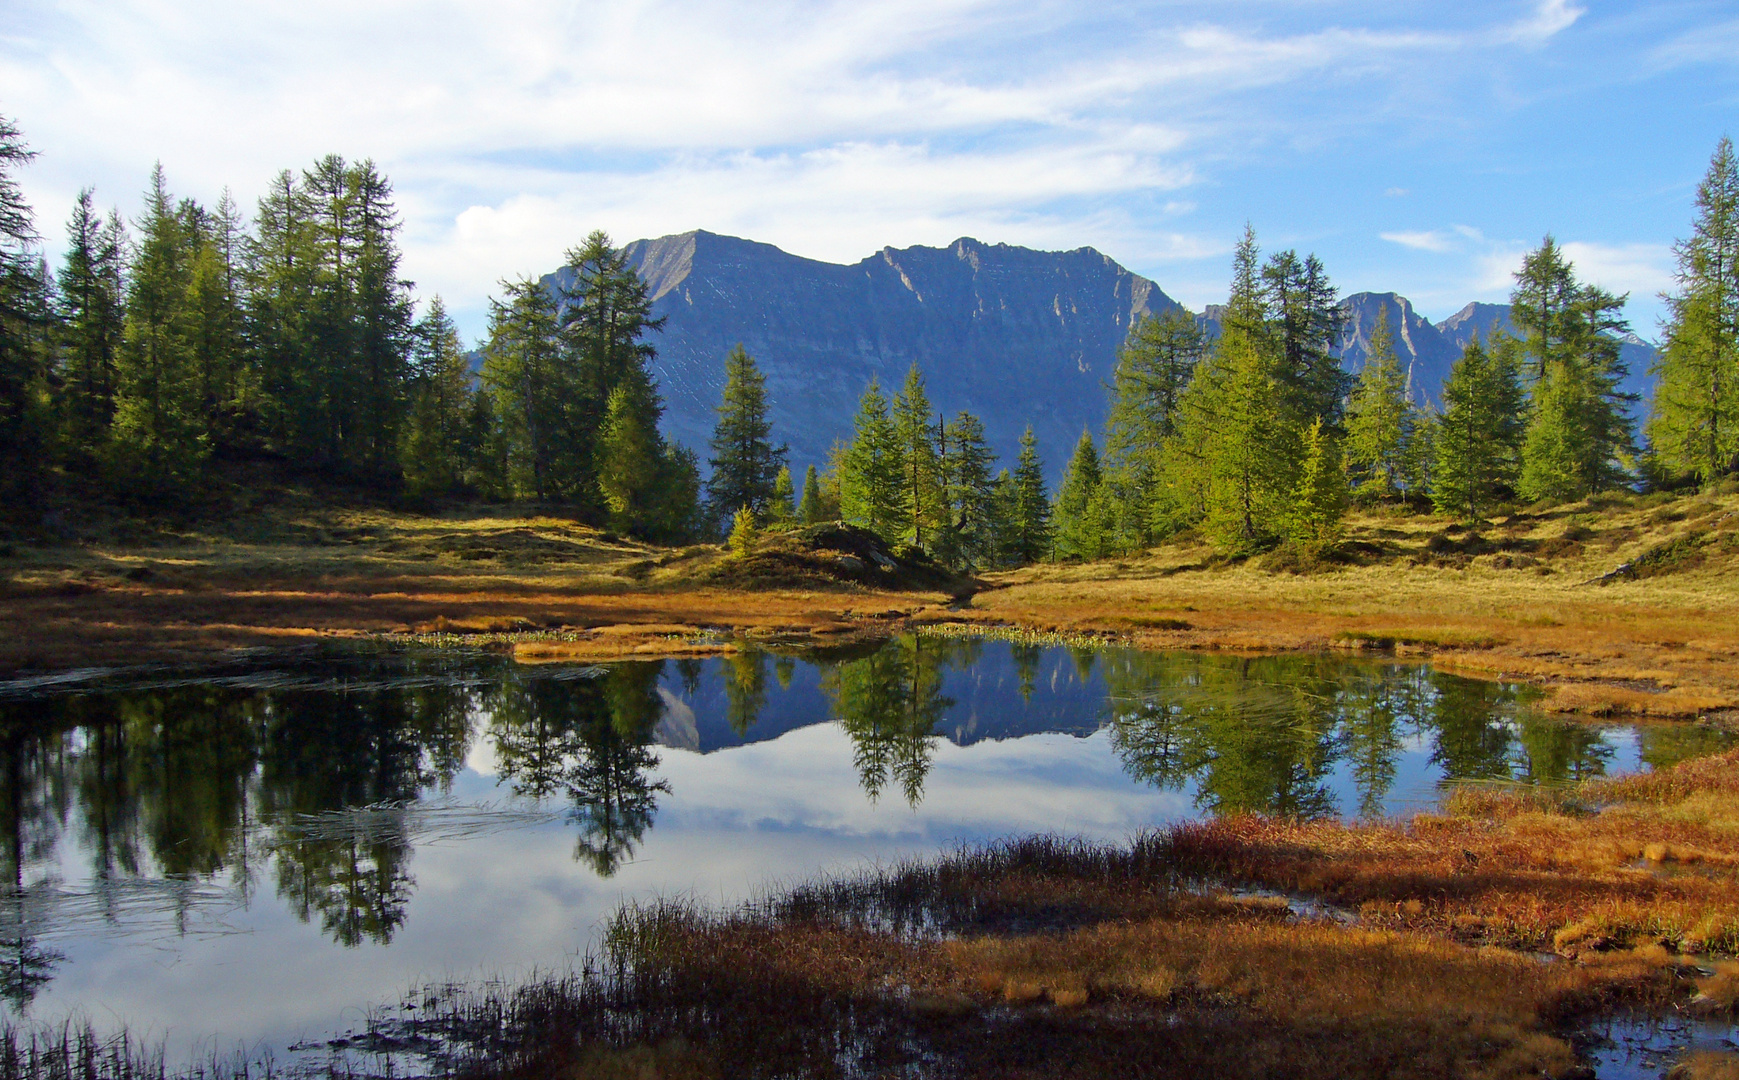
[(1016, 336)]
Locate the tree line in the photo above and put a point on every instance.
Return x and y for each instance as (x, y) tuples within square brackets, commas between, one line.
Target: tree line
[(165, 346)]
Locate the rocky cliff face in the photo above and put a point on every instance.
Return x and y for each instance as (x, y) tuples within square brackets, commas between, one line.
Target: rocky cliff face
[(1014, 335)]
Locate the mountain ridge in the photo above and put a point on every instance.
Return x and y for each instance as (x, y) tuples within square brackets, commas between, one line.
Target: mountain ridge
[(1012, 334)]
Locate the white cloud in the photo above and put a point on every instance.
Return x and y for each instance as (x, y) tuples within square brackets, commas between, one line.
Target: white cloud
[(1550, 17), (1642, 270), (831, 127), (1421, 241)]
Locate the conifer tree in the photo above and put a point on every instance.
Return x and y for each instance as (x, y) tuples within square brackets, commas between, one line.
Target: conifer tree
[(1695, 423), (1303, 317), (523, 369), (91, 314), (1379, 419), (872, 488), (1076, 515), (1578, 425), (437, 443), (157, 443), (1153, 372), (810, 509), (1313, 520), (1253, 453), (920, 467), (627, 460), (1029, 527), (23, 318), (780, 508), (1478, 439), (968, 461), (745, 463), (604, 316)]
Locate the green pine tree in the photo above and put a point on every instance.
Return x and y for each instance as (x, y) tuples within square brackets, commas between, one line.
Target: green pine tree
[(1379, 419), (745, 463), (780, 508), (967, 466), (1075, 516), (524, 371), (920, 466), (1694, 427), (157, 443), (1478, 439), (1578, 423), (1303, 318), (24, 318), (872, 476), (1153, 373), (810, 510), (438, 446), (627, 456), (92, 313), (1029, 508), (1312, 522)]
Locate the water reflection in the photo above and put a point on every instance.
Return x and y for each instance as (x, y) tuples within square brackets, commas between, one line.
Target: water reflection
[(177, 805)]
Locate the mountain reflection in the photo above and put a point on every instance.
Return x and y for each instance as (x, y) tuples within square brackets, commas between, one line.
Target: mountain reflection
[(170, 805)]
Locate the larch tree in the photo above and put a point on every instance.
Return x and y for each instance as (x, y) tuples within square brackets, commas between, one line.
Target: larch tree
[(1578, 422), (92, 311), (810, 509), (920, 465), (23, 318), (524, 370), (1153, 372), (157, 443), (438, 445), (1379, 419), (1029, 525), (968, 465), (872, 489), (1694, 427), (1078, 515), (1303, 317), (1312, 522), (1478, 438), (745, 463)]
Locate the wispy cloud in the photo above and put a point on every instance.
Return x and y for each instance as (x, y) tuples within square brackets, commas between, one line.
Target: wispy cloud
[(1420, 241), (827, 126)]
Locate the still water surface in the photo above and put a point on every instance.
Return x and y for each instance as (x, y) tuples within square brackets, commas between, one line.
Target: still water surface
[(251, 857)]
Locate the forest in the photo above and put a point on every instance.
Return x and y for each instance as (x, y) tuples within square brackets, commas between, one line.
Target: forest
[(193, 342)]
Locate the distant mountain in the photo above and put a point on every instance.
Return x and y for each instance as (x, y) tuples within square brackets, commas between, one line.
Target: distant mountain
[(1428, 352), (1014, 335)]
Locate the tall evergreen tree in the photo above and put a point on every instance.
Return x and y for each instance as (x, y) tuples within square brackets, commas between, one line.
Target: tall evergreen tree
[(967, 466), (872, 489), (1379, 419), (1029, 509), (1479, 436), (1578, 425), (158, 441), (1078, 515), (92, 311), (920, 467), (23, 319), (522, 366), (439, 446), (605, 315), (809, 509), (745, 462), (1304, 316), (782, 507), (627, 460), (1312, 522), (1153, 372), (1695, 423)]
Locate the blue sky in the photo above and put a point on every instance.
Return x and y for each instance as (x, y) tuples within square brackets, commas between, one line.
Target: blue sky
[(1419, 147)]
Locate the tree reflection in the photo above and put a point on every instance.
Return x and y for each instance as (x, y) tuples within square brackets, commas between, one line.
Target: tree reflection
[(889, 704), (745, 688), (589, 740)]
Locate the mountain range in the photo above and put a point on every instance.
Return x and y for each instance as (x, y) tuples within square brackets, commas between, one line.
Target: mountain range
[(1014, 335)]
